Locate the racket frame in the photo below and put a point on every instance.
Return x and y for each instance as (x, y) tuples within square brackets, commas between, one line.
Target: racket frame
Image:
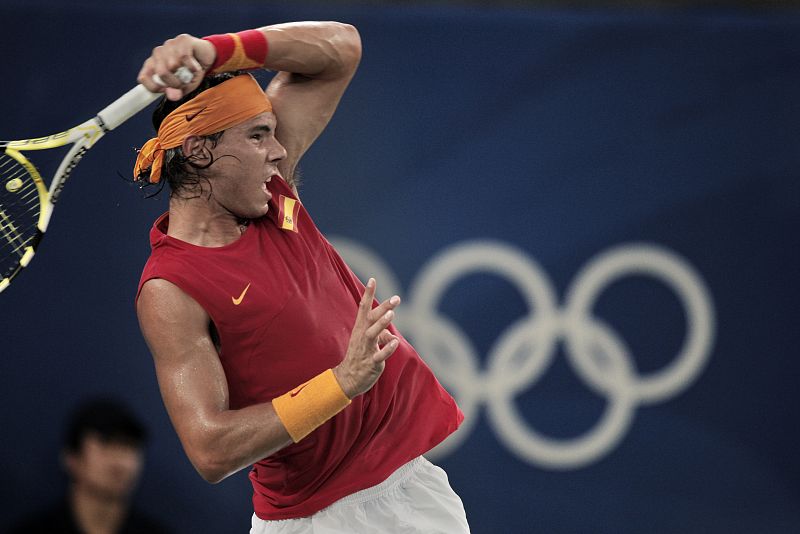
[(82, 137)]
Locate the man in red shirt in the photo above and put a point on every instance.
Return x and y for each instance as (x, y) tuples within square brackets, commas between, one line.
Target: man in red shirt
[(268, 350)]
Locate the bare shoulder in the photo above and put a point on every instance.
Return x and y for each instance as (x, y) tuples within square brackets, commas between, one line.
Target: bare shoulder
[(164, 299), (167, 313)]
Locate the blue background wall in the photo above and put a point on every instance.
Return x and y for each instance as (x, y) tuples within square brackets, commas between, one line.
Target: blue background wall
[(511, 147)]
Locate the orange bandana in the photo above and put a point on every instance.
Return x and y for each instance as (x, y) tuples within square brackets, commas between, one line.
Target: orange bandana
[(222, 106)]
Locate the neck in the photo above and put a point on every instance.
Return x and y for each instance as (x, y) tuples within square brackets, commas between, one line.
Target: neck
[(196, 221), (95, 513)]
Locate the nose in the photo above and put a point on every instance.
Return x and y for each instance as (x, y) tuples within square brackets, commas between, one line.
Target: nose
[(277, 152)]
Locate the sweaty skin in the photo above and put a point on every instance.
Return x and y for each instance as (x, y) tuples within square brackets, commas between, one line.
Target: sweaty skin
[(316, 61)]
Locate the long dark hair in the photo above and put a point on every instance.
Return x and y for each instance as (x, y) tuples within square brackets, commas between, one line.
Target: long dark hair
[(182, 172)]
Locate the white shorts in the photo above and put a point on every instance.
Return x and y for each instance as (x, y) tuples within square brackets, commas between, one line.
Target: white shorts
[(417, 498)]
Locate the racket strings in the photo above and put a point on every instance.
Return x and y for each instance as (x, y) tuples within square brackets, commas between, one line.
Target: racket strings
[(19, 213), (14, 242)]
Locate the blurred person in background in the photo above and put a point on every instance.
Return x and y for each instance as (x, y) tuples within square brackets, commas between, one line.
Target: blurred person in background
[(103, 456)]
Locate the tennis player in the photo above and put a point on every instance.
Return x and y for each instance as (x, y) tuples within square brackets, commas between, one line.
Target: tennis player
[(268, 350)]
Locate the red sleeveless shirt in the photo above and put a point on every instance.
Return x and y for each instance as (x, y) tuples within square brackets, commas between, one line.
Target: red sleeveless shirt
[(284, 303)]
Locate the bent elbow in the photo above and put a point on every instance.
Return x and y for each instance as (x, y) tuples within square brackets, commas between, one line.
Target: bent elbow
[(212, 476), (212, 472), (348, 45), (353, 40), (209, 465)]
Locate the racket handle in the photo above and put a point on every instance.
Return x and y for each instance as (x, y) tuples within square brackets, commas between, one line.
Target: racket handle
[(134, 101)]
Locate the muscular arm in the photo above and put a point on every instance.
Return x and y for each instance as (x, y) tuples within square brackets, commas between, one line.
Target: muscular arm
[(220, 441), (315, 63)]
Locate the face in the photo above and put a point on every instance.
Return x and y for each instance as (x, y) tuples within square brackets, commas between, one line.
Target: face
[(107, 469), (245, 160)]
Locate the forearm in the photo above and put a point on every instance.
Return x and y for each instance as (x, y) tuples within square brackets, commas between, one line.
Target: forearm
[(239, 438), (227, 441), (313, 49)]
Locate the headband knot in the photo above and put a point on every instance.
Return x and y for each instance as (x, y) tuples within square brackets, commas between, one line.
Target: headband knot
[(150, 158)]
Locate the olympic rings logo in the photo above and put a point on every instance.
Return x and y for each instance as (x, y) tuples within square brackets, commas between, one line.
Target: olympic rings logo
[(526, 349)]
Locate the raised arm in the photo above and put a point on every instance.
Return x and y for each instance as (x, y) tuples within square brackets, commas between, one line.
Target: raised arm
[(315, 63)]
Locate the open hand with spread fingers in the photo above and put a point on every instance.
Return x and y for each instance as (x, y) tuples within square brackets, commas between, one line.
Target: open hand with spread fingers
[(370, 345)]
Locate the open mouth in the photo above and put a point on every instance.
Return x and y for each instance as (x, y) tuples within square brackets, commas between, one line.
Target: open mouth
[(266, 187)]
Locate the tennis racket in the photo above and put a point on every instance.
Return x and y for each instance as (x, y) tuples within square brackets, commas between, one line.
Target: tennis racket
[(26, 203)]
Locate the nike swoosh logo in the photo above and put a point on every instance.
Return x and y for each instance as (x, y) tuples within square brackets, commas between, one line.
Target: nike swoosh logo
[(297, 391), (191, 117), (238, 301)]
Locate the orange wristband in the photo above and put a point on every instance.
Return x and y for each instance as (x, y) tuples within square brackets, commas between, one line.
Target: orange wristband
[(245, 50), (309, 405)]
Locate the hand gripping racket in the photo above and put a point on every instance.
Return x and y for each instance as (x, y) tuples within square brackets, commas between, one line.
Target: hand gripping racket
[(26, 204)]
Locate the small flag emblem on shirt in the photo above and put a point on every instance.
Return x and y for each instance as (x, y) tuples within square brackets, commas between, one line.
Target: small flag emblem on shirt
[(288, 213)]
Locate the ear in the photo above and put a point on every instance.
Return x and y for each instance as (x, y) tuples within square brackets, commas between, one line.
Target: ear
[(195, 146)]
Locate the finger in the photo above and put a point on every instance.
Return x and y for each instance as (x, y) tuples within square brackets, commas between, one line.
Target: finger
[(167, 78), (383, 307), (145, 77), (365, 305), (192, 64), (385, 337), (379, 326), (190, 80), (383, 354), (173, 94), (162, 63), (169, 65)]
